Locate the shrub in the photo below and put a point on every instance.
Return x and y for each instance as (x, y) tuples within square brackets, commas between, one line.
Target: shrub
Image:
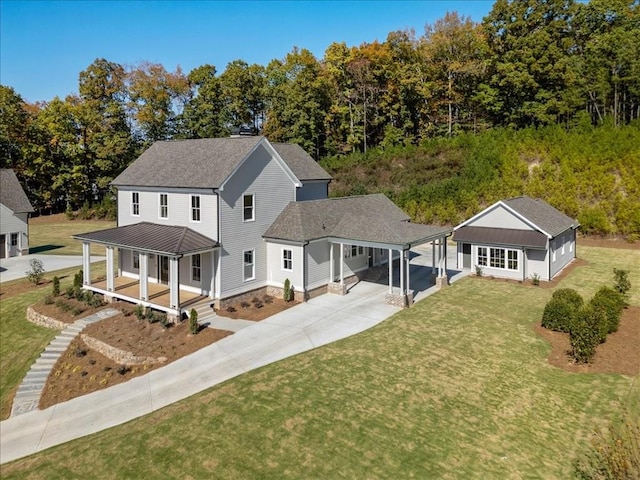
[(610, 303), (139, 312), (35, 274), (193, 322), (267, 299), (560, 311), (122, 369), (622, 284), (56, 287), (479, 271), (75, 311), (244, 304), (77, 279), (535, 279), (48, 300), (231, 309), (569, 295), (287, 294), (587, 331)]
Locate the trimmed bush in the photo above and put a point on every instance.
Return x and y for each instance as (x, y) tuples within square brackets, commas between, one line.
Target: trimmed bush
[(611, 304), (622, 284), (588, 330), (570, 296), (193, 322), (287, 293), (56, 287), (77, 279), (139, 312)]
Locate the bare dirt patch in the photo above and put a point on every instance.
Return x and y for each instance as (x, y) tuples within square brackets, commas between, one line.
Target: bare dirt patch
[(81, 370), (16, 287), (619, 354), (255, 310)]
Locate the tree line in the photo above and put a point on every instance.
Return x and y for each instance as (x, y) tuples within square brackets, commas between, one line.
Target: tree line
[(528, 63)]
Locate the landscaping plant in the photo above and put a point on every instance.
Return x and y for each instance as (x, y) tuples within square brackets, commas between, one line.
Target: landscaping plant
[(622, 284), (35, 274), (287, 295), (588, 330), (193, 322), (560, 311), (56, 287), (611, 304)]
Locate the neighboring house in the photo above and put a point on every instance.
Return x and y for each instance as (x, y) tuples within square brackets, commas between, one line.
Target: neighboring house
[(14, 216), (517, 238), (192, 215)]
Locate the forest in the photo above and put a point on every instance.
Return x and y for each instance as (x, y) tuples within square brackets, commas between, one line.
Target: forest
[(540, 97)]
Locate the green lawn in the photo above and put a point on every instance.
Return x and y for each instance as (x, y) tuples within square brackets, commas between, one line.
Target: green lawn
[(455, 387), (52, 235)]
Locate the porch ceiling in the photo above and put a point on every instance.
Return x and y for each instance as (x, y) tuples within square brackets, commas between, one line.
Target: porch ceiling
[(153, 238)]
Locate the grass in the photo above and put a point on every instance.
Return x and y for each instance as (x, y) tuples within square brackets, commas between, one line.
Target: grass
[(455, 387), (52, 235)]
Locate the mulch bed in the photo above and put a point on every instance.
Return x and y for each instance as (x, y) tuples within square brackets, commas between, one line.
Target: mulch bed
[(53, 311), (251, 312), (619, 354)]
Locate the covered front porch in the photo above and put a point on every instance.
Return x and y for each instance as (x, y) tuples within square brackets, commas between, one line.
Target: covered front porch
[(151, 258)]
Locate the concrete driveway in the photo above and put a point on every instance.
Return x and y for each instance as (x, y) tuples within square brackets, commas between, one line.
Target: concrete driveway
[(17, 267)]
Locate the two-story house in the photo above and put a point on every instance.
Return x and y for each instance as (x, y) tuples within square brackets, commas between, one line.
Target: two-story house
[(14, 216), (213, 219)]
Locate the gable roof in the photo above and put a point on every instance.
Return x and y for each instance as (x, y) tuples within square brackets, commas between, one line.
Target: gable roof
[(152, 237), (536, 212), (209, 162), (12, 195), (368, 218), (300, 162)]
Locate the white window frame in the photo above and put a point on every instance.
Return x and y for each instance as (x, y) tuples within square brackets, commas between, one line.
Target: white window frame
[(553, 251), (497, 258), (360, 250), (245, 207), (135, 204), (135, 260), (196, 212), (164, 196), (287, 258), (196, 268), (483, 257), (354, 250), (246, 264), (513, 260), (12, 237)]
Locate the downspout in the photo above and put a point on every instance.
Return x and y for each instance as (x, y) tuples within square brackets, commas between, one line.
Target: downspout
[(304, 271)]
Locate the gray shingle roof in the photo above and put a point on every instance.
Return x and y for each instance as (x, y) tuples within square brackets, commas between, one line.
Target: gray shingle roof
[(300, 162), (207, 163), (541, 214), (501, 236), (368, 218), (151, 237), (12, 195)]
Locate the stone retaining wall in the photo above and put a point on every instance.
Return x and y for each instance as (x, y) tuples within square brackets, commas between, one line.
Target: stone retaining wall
[(44, 321), (117, 355)]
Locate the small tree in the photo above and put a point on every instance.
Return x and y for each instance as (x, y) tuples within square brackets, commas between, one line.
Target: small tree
[(56, 287), (193, 322), (588, 330), (622, 284), (77, 279), (35, 274), (287, 295)]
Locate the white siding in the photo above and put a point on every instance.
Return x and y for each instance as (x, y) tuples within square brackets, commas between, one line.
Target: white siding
[(499, 217), (318, 264), (14, 223), (537, 263), (276, 275), (179, 209), (262, 176), (312, 191), (562, 259)]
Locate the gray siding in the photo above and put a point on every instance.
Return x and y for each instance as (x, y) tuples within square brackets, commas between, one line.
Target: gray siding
[(537, 263), (262, 176), (312, 191), (564, 250), (179, 209), (499, 217), (14, 223), (317, 264)]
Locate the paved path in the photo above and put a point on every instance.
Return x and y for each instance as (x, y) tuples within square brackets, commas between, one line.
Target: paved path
[(17, 267), (29, 392), (320, 321)]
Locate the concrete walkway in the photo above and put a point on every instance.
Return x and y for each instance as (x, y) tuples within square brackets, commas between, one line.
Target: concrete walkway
[(17, 267), (320, 321), (28, 394)]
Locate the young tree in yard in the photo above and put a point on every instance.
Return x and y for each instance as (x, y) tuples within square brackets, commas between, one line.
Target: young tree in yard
[(193, 322), (36, 272)]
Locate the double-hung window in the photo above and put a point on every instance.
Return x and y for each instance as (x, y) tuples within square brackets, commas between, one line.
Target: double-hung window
[(135, 204), (482, 256), (135, 260), (512, 259), (195, 208), (164, 205), (196, 267), (354, 250), (248, 266), (287, 259), (496, 257), (248, 208), (14, 239)]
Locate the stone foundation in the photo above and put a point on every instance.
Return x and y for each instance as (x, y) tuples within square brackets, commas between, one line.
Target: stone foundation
[(44, 321), (397, 300), (117, 355), (442, 282), (337, 288)]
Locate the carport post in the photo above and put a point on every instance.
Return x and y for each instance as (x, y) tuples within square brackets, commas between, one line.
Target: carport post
[(444, 254), (144, 276), (390, 271), (433, 257), (401, 252), (332, 274), (408, 271), (341, 263)]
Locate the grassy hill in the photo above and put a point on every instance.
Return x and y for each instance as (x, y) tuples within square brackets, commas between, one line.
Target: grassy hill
[(590, 174)]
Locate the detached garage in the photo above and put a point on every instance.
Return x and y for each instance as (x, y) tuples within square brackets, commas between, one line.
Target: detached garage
[(518, 238), (14, 216)]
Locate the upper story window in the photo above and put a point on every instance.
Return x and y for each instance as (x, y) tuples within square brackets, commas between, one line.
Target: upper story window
[(164, 206), (195, 208), (287, 259), (248, 208), (135, 204)]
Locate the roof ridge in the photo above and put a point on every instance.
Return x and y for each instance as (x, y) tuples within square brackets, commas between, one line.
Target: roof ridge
[(181, 238)]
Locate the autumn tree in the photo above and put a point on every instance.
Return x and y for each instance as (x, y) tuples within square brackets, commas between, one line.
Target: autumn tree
[(243, 87), (203, 115)]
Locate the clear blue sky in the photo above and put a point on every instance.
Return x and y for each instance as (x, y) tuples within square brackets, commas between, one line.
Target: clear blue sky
[(44, 45)]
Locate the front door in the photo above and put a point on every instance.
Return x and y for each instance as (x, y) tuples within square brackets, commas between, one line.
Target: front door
[(163, 269), (466, 255)]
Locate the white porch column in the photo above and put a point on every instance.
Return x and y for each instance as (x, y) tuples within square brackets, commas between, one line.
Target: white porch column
[(342, 264), (110, 276), (408, 271), (444, 255), (440, 257), (433, 257), (174, 283), (212, 284), (390, 271), (332, 267), (86, 263), (218, 279), (402, 291), (144, 276)]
